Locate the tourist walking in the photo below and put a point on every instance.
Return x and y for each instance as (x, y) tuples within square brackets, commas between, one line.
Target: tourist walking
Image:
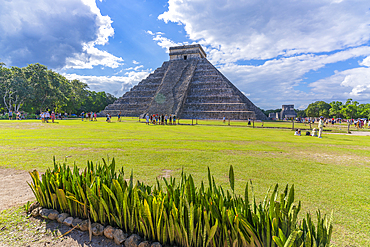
[(42, 116), (47, 116), (52, 116), (108, 118), (10, 115), (82, 115), (119, 117), (321, 126), (147, 119)]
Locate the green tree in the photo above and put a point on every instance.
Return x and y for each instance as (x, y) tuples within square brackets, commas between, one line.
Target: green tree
[(36, 88), (363, 111), (300, 113), (317, 109), (96, 102), (76, 96), (38, 77), (349, 110), (5, 78), (14, 88), (335, 110)]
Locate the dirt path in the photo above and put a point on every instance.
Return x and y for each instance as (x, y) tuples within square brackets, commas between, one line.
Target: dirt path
[(353, 133), (14, 190)]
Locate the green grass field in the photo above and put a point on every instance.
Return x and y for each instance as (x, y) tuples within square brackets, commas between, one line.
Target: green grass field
[(332, 173)]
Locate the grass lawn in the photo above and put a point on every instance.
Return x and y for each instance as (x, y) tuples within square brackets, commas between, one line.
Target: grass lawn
[(331, 173)]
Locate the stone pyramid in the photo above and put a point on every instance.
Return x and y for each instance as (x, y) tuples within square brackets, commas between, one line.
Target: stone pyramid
[(187, 86)]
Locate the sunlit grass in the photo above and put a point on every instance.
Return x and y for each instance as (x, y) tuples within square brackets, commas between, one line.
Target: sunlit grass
[(331, 173)]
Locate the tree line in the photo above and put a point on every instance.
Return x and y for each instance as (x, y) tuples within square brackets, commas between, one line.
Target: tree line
[(35, 88), (336, 109)]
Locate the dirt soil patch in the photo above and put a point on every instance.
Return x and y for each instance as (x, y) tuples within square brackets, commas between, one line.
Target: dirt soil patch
[(34, 232), (14, 190)]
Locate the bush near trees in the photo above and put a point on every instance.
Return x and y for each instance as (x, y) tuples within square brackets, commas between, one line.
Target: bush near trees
[(35, 88)]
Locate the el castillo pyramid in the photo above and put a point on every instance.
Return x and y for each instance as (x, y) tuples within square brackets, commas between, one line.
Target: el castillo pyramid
[(187, 86)]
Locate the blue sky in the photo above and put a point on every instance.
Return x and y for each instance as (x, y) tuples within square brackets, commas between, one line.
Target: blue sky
[(276, 52)]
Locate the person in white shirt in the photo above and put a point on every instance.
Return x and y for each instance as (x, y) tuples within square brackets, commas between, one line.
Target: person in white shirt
[(297, 132), (321, 126), (147, 119), (314, 132)]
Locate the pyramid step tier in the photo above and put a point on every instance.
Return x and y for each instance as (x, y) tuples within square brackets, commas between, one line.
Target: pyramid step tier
[(241, 115), (215, 107)]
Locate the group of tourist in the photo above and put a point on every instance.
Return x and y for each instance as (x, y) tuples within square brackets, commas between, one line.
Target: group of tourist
[(45, 116), (109, 117), (358, 123), (361, 123), (88, 116), (314, 133), (18, 115), (160, 119)]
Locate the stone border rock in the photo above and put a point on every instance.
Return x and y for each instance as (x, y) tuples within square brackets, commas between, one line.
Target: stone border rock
[(119, 237)]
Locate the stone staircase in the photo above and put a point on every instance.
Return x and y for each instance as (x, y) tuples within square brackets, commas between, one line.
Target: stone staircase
[(173, 89)]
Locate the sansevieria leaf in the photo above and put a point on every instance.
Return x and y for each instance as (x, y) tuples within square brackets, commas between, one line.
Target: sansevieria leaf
[(231, 177)]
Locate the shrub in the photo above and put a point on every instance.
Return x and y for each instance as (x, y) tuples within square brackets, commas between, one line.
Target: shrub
[(179, 213)]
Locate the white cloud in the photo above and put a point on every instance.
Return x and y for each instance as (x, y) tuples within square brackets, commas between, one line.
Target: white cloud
[(278, 79), (135, 68), (135, 62), (263, 30), (92, 56), (352, 83), (149, 32), (366, 62), (116, 85), (163, 41), (294, 37), (54, 33)]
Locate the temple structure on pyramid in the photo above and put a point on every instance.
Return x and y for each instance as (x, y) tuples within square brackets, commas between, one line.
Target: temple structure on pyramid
[(187, 86)]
